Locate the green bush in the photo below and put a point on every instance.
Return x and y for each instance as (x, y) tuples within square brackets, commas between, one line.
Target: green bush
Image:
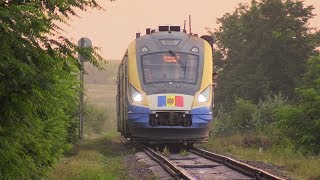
[(221, 125), (38, 86), (255, 123), (276, 120), (264, 114), (239, 119), (35, 118), (241, 116), (95, 120), (246, 116), (301, 122)]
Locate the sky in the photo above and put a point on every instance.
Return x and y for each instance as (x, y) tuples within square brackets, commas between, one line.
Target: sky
[(114, 28)]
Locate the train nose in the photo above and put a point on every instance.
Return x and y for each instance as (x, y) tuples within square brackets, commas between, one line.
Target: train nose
[(187, 126), (170, 119)]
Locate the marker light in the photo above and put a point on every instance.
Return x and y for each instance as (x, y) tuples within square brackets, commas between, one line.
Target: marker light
[(195, 50), (170, 42), (144, 49), (204, 96), (135, 95)]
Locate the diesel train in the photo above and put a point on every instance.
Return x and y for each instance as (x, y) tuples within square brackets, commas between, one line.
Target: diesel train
[(164, 87)]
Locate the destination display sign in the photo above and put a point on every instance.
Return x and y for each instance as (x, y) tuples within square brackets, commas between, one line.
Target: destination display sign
[(170, 59)]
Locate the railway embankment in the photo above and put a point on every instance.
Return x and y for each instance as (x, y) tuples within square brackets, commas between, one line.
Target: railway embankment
[(281, 161), (102, 155), (178, 162)]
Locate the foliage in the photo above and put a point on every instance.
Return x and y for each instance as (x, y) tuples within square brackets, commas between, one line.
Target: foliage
[(301, 122), (239, 119), (264, 116), (95, 120), (257, 121), (38, 85), (242, 115), (262, 49), (296, 124)]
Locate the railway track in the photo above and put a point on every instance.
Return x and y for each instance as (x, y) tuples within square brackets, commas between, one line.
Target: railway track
[(202, 164)]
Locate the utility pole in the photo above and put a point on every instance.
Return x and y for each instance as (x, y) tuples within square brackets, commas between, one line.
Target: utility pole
[(83, 42), (190, 24)]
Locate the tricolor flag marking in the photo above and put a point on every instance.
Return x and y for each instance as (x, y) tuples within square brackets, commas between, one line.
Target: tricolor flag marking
[(170, 101)]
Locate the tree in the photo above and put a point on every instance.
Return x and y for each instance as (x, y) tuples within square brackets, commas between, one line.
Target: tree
[(263, 49), (38, 85), (301, 122)]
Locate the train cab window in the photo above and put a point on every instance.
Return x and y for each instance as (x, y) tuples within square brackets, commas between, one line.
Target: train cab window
[(163, 67)]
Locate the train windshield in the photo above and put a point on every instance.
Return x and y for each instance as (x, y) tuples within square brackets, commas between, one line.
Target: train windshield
[(165, 67)]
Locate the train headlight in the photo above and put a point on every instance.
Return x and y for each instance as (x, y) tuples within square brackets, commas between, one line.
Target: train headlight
[(135, 95), (204, 96)]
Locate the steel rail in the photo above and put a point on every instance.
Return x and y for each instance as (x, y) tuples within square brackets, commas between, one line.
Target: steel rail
[(174, 171), (234, 164)]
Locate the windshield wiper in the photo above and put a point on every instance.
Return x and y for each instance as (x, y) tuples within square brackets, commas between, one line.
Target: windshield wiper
[(182, 65)]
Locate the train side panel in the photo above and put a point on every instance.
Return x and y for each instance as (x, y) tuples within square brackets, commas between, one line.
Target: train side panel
[(121, 98)]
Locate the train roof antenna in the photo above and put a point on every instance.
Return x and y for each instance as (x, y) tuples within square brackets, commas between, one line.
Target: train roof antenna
[(190, 24)]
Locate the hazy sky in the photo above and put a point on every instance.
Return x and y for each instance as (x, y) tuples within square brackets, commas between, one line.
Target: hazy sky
[(114, 28)]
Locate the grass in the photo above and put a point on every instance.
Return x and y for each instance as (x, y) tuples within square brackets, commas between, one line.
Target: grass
[(100, 158), (298, 166), (100, 155), (166, 151), (184, 153)]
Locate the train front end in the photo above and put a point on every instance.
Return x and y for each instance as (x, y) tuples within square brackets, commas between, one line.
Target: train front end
[(169, 88)]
